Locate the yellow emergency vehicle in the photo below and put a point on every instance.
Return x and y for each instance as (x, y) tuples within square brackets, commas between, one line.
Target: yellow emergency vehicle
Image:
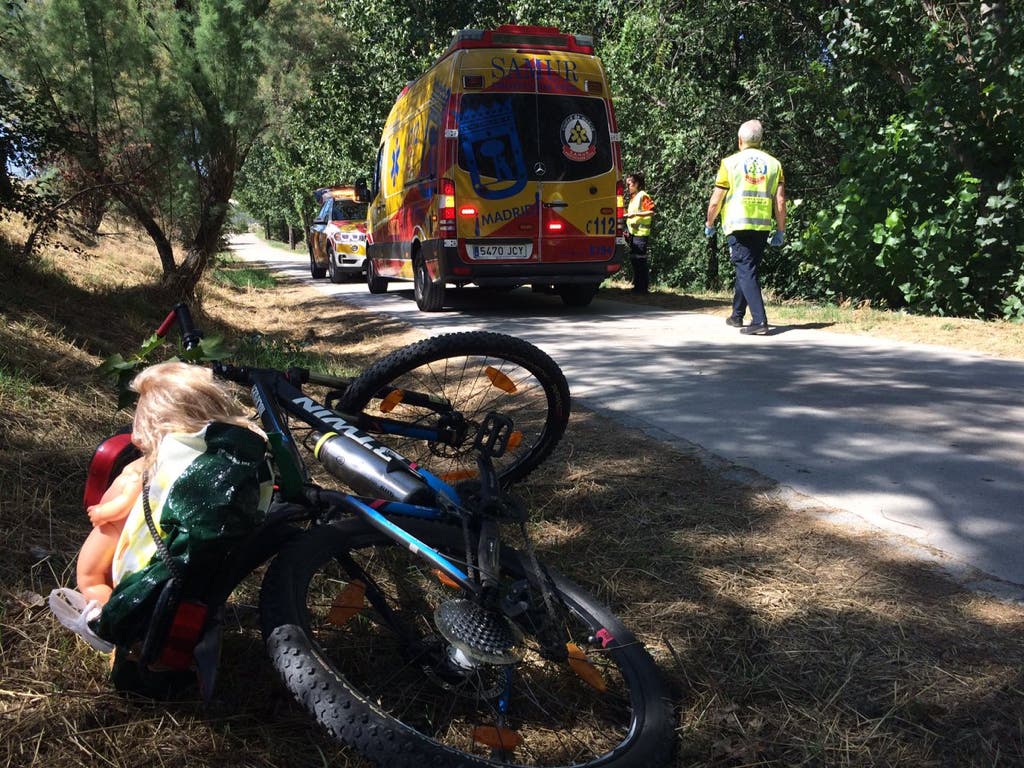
[(500, 167), (337, 238)]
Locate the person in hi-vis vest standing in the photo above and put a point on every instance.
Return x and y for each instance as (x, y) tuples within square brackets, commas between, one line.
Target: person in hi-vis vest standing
[(750, 192), (638, 224)]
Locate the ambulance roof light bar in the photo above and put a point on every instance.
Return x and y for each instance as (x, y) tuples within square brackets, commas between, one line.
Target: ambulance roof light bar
[(523, 37)]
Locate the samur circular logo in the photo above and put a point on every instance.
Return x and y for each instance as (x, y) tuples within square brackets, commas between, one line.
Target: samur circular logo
[(755, 171), (578, 138)]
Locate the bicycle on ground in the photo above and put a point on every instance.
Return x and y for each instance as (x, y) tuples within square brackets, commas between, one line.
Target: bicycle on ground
[(398, 612)]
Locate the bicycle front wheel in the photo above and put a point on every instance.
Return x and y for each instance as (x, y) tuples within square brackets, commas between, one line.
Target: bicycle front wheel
[(465, 376), (354, 626)]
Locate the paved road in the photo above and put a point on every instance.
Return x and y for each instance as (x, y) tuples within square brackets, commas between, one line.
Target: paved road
[(921, 441)]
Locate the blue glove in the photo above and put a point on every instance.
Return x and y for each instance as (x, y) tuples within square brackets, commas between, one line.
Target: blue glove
[(778, 238), (709, 231)]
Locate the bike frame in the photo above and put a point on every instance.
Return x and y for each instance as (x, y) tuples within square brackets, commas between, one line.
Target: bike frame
[(272, 393), (276, 393)]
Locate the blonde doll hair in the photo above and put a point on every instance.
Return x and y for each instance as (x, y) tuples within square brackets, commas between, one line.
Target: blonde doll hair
[(178, 397)]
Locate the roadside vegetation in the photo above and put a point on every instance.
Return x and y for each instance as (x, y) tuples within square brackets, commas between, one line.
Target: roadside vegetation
[(788, 640), (897, 123)]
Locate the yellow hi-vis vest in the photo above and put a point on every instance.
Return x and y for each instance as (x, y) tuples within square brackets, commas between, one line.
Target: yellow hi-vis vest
[(640, 226), (751, 178)]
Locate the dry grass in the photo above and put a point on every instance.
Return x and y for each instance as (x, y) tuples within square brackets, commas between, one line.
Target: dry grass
[(788, 640)]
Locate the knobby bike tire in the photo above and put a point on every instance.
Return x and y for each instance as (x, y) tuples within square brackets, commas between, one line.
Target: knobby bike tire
[(459, 368), (370, 690)]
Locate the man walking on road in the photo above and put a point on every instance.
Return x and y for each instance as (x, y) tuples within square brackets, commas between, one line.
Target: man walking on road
[(750, 193)]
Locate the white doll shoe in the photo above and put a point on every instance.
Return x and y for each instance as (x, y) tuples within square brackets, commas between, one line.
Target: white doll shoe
[(74, 612)]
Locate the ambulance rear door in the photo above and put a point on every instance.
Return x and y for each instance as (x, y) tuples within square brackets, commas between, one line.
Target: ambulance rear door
[(535, 143)]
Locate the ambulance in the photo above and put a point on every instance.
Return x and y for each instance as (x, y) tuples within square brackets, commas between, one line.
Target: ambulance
[(337, 238), (500, 167)]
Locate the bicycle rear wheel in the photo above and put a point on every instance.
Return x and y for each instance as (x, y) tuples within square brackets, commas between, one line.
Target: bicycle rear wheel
[(351, 623), (474, 373)]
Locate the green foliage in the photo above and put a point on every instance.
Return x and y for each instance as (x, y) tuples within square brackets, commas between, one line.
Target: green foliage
[(331, 136), (238, 275), (15, 384), (263, 351), (927, 215), (683, 86), (897, 122), (24, 137), (159, 103), (123, 370)]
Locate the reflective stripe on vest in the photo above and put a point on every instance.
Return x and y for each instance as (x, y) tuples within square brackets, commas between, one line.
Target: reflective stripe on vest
[(753, 181)]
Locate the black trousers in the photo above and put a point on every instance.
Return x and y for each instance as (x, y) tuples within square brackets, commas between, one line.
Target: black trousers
[(746, 249), (641, 272)]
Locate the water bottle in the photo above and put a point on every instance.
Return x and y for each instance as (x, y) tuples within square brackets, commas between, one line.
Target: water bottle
[(368, 468)]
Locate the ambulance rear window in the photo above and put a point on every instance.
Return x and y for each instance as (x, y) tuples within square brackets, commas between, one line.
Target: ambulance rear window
[(506, 139)]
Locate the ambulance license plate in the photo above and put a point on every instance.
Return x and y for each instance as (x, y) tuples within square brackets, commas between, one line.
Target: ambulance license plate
[(502, 251)]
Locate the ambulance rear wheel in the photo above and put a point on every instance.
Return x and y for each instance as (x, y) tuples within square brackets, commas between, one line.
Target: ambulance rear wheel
[(375, 282), (429, 295), (577, 295)]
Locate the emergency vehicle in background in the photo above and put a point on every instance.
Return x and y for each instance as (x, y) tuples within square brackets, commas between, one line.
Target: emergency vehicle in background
[(337, 237), (500, 167)]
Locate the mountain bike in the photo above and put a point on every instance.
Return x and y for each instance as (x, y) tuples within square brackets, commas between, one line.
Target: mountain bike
[(397, 612)]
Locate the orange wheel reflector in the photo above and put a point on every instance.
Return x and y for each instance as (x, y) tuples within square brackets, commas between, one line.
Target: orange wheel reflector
[(457, 475), (496, 737), (586, 671), (347, 603), (387, 405), (500, 380), (515, 438), (445, 579)]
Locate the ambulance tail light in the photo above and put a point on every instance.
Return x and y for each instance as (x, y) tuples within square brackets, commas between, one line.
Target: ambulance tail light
[(446, 205), (555, 226), (620, 212), (467, 210)]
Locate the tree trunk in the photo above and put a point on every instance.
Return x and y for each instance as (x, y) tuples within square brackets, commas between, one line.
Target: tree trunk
[(142, 215), (185, 279), (212, 215), (6, 187), (307, 222)]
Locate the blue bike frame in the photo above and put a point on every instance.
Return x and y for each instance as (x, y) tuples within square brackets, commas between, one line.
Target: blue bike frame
[(271, 391)]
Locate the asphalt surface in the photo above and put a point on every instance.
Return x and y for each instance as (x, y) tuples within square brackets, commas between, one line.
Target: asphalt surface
[(923, 442)]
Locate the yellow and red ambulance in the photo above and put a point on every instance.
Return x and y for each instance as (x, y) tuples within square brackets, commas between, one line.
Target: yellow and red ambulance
[(500, 167)]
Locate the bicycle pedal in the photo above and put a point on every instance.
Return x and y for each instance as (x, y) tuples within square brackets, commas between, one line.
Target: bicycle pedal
[(494, 435)]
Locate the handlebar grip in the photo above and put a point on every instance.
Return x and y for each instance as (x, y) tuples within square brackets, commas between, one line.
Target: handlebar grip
[(165, 326), (190, 335)]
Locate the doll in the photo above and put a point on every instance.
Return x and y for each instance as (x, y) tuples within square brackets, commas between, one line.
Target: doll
[(177, 405)]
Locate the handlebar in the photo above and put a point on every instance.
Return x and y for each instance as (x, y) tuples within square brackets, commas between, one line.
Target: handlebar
[(180, 314)]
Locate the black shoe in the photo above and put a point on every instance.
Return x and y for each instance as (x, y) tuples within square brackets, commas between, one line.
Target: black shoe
[(733, 322), (760, 329)]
